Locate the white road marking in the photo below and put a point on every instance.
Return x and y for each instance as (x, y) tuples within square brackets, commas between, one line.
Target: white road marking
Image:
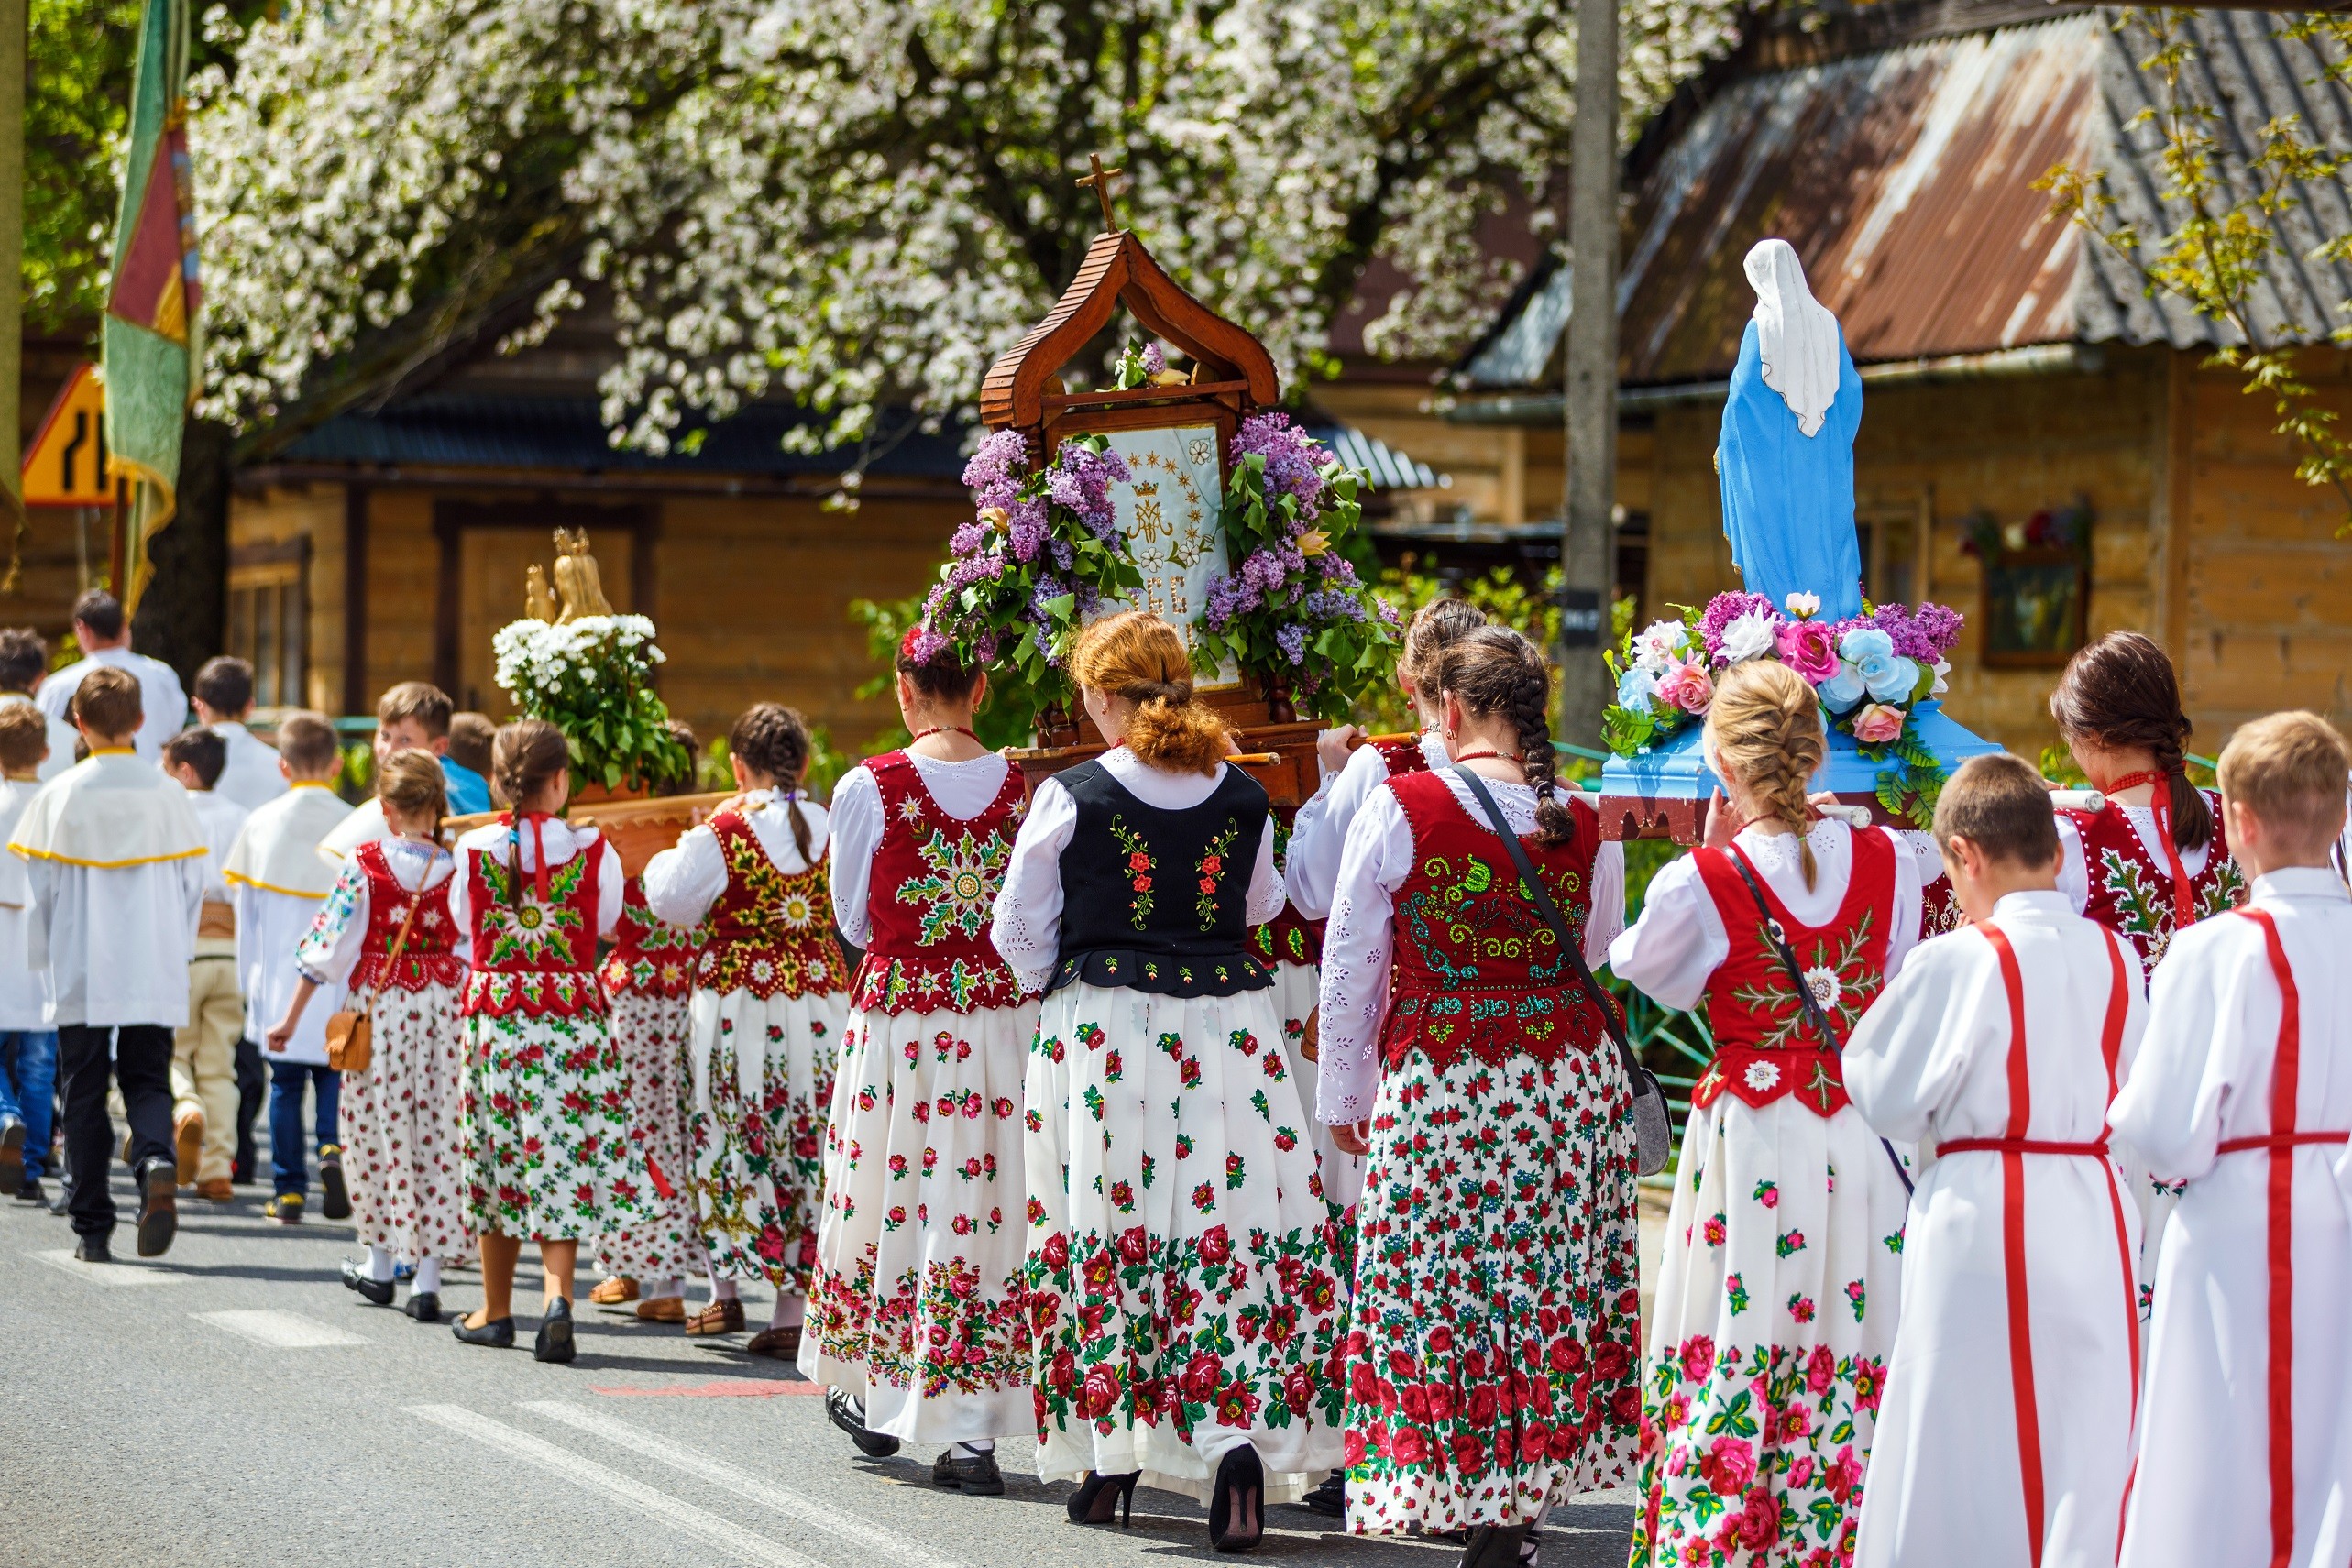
[(115, 1274), (718, 1473), (613, 1484), (281, 1330)]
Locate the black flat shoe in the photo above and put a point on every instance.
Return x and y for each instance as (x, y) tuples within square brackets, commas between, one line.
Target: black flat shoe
[(555, 1343), (1238, 1507), (498, 1334), (30, 1191), (90, 1249), (959, 1471), (334, 1201), (159, 1210), (839, 1409), (377, 1291), (1330, 1499), (1495, 1546), (1100, 1497), (425, 1306)]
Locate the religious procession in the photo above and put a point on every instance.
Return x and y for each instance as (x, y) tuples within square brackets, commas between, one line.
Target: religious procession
[(718, 851)]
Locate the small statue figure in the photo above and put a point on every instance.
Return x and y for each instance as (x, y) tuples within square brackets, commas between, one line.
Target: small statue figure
[(575, 577), (538, 600)]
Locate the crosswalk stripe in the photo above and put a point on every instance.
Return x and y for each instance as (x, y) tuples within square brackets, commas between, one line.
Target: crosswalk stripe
[(718, 1473), (281, 1330), (118, 1275), (588, 1475)]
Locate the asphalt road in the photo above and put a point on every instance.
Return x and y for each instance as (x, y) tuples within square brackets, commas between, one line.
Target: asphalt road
[(232, 1403)]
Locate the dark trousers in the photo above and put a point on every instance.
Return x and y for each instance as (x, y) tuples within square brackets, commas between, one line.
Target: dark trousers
[(142, 1064), (252, 1089)]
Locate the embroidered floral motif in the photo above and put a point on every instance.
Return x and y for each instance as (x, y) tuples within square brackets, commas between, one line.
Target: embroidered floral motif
[(767, 934), (2143, 899), (1139, 868), (524, 932), (959, 887), (1210, 868)]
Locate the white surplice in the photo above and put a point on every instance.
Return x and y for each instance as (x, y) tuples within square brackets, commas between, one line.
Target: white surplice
[(1931, 1062), (278, 883), (249, 774), (163, 703), (2205, 1077)]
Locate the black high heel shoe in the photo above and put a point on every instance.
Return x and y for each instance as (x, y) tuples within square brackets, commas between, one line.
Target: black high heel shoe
[(556, 1342), (1099, 1496), (1240, 1494)]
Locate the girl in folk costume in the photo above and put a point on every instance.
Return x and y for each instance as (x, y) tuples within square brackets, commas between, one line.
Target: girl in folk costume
[(546, 1151), (1492, 1368), (2006, 1437), (1775, 1307), (386, 938), (648, 978), (2243, 1093), (1184, 1301), (770, 996), (920, 1328)]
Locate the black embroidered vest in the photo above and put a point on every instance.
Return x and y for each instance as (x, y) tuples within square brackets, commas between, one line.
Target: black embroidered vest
[(1156, 900)]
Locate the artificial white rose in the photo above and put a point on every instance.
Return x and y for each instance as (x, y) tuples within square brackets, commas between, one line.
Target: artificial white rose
[(1659, 646), (1751, 635)]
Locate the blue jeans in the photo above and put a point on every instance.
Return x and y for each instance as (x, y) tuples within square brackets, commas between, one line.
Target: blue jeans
[(29, 1091), (288, 1169)]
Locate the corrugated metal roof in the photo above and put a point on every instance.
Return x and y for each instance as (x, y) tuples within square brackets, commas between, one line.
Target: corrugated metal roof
[(1388, 468), (1904, 177)]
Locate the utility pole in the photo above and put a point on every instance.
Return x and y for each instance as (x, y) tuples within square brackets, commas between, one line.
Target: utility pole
[(1587, 556), (11, 261)]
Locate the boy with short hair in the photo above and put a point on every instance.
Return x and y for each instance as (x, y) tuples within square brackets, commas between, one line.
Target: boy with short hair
[(24, 665), (204, 1052), (280, 879), (224, 701), (467, 768), (2243, 1091), (27, 1035), (411, 716), (2006, 1433), (114, 858)]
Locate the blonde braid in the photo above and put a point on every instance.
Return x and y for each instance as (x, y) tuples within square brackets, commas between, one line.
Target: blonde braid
[(1765, 725)]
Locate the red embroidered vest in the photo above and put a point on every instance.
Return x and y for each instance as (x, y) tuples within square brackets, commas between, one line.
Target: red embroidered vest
[(649, 957), (931, 895), (1290, 938), (427, 958), (769, 933), (532, 958), (1764, 1047), (1478, 971), (2131, 890)]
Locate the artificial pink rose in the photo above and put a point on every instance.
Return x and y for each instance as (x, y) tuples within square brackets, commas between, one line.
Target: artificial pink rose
[(1688, 687), (1806, 647), (1877, 724)]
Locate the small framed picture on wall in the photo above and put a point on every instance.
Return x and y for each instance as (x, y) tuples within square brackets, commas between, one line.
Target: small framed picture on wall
[(2037, 586)]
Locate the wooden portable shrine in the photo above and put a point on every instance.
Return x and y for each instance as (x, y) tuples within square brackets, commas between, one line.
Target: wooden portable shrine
[(1232, 377)]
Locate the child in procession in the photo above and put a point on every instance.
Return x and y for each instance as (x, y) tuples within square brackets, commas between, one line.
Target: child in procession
[(28, 1034), (2005, 1435), (413, 716), (1166, 1155), (278, 881), (771, 997), (1464, 1054), (546, 1147), (386, 939), (920, 1328), (222, 698), (1783, 1252), (2242, 1093), (115, 861), (203, 1051)]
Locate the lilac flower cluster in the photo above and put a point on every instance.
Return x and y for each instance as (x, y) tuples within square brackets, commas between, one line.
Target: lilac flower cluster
[(1726, 607), (1154, 361), (1081, 479), (995, 473), (1294, 462), (1926, 636), (1292, 638)]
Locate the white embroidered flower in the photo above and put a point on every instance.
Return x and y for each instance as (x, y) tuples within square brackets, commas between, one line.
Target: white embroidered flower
[(1825, 985), (1749, 636), (1762, 1075)]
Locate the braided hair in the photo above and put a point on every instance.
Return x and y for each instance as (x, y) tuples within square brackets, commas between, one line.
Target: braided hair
[(2120, 694), (1435, 626), (1494, 671), (1765, 727), (772, 742)]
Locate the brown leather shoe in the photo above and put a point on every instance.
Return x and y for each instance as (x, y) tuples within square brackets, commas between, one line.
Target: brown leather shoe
[(188, 1145), (217, 1190), (612, 1292), (782, 1343), (718, 1317), (661, 1309)]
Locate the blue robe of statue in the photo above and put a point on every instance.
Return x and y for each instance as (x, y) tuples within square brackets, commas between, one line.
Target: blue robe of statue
[(1789, 498)]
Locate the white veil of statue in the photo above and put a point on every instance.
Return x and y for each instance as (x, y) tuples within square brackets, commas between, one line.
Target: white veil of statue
[(1796, 334)]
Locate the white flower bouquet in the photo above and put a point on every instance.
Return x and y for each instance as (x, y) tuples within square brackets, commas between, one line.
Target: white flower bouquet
[(592, 678)]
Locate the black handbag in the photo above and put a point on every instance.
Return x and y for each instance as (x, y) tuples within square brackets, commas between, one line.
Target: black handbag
[(1653, 1128), (1815, 1013)]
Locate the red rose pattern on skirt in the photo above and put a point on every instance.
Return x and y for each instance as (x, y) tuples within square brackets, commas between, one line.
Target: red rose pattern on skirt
[(662, 1244), (547, 1148), (403, 1127), (761, 1082), (1491, 1361)]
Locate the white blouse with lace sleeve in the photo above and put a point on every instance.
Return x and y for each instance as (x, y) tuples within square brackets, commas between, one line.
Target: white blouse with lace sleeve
[(1358, 944), (1319, 836)]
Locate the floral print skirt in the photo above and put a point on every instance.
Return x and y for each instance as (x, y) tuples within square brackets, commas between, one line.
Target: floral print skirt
[(1491, 1357), (547, 1148), (1773, 1319), (759, 1083), (402, 1129), (1183, 1296), (1339, 1176), (918, 1308), (661, 1242)]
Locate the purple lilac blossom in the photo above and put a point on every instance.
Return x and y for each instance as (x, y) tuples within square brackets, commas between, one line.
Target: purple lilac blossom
[(1293, 466), (993, 472), (967, 539), (927, 645), (1292, 640), (1029, 528), (1154, 361), (1064, 557), (1326, 604)]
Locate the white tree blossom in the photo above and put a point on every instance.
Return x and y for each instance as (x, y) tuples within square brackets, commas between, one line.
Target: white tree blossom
[(859, 202)]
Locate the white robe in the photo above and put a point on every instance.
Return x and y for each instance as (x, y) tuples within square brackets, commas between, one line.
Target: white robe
[(1931, 1062), (2203, 1495), (163, 703), (278, 883), (249, 775)]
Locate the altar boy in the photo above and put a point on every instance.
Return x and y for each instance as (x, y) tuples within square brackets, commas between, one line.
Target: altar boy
[(2006, 1437), (2244, 1091)]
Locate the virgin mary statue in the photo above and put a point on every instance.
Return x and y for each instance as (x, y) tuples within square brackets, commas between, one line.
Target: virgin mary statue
[(1785, 456)]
